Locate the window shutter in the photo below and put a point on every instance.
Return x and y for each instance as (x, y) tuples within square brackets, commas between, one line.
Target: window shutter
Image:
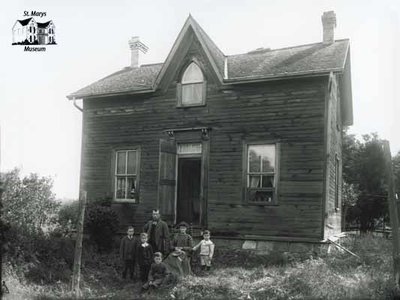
[(167, 181)]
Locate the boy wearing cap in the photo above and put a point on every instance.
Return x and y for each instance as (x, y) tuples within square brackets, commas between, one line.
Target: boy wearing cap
[(127, 252), (158, 273), (206, 251), (158, 233), (144, 256)]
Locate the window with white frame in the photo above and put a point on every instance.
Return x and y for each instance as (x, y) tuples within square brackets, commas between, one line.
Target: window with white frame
[(126, 175), (191, 90), (261, 173)]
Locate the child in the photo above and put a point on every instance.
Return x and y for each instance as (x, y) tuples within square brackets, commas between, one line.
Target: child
[(206, 251), (158, 273), (127, 252), (145, 256)]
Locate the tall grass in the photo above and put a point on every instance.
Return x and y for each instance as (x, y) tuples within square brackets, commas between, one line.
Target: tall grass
[(334, 276), (243, 275)]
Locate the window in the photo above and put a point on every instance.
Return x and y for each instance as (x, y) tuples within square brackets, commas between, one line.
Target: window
[(191, 91), (126, 175), (261, 173), (192, 148)]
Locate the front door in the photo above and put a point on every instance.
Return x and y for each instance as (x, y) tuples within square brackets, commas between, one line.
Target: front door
[(188, 206)]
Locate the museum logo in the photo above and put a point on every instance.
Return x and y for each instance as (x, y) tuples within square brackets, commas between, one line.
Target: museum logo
[(33, 35)]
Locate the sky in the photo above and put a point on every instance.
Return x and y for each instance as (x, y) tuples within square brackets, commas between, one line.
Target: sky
[(41, 130)]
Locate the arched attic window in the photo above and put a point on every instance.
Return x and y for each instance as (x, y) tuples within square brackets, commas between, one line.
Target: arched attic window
[(192, 89)]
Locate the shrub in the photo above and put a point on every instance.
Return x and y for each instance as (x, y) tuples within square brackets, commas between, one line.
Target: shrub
[(29, 203), (101, 222), (68, 214)]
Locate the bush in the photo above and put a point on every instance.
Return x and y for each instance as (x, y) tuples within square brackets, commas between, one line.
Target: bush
[(101, 222), (68, 214), (29, 203)]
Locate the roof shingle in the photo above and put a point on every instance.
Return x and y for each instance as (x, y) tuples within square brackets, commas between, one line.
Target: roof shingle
[(303, 59), (125, 80), (262, 64)]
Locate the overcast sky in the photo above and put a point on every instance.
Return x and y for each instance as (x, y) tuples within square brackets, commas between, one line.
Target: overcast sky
[(40, 128)]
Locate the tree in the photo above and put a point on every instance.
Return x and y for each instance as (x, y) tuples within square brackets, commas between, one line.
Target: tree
[(396, 172), (69, 213), (364, 171), (28, 203), (350, 194)]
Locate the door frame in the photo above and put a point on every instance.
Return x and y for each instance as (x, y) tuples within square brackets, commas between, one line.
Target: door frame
[(203, 178), (179, 156)]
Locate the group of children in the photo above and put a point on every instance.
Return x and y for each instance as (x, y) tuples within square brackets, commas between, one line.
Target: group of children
[(153, 271)]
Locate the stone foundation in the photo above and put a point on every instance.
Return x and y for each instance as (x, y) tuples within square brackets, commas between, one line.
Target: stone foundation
[(268, 247)]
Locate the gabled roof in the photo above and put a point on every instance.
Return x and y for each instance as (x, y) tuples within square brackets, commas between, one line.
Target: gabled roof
[(264, 64), (43, 25), (214, 54), (25, 22)]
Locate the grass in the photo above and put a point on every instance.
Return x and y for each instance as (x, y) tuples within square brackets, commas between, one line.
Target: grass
[(242, 275)]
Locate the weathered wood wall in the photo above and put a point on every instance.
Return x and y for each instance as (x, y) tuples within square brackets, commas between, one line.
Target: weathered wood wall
[(333, 207), (290, 111)]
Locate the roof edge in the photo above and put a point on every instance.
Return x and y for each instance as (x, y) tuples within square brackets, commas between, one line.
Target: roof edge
[(89, 96), (241, 80), (283, 76)]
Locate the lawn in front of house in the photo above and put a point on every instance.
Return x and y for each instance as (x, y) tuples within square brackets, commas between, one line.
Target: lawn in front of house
[(237, 274)]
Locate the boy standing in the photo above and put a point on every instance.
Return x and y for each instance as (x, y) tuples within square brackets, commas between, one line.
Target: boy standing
[(206, 251), (145, 256), (127, 252), (158, 273)]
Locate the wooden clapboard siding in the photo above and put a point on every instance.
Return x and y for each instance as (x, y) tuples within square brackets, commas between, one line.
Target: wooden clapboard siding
[(291, 112)]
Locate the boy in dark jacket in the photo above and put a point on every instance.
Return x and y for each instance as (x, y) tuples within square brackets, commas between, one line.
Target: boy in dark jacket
[(144, 256), (127, 253), (158, 273)]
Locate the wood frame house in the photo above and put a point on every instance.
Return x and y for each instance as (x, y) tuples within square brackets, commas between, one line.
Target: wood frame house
[(248, 145)]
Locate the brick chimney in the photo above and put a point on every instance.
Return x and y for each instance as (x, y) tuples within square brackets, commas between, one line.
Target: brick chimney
[(134, 46), (328, 23)]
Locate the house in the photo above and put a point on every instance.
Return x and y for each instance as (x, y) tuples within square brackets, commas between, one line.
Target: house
[(32, 32), (24, 30), (248, 145), (46, 33)]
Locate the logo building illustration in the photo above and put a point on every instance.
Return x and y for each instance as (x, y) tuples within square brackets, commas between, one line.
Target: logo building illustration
[(30, 32)]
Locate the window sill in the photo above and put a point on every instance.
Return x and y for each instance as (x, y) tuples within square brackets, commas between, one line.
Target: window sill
[(130, 201), (193, 105), (261, 204)]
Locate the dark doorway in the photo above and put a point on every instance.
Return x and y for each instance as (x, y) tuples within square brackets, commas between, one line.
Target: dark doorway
[(188, 198)]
